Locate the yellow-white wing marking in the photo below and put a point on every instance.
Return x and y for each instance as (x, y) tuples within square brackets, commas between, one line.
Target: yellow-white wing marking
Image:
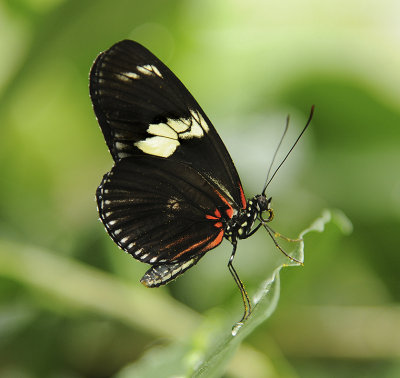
[(166, 135), (149, 69)]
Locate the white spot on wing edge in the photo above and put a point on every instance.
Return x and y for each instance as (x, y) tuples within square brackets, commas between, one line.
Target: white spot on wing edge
[(121, 146), (122, 155)]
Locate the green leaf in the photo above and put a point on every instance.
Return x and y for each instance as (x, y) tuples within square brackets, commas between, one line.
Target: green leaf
[(205, 355)]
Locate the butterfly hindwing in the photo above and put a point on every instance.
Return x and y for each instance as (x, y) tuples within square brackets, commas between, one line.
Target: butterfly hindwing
[(143, 109), (160, 211)]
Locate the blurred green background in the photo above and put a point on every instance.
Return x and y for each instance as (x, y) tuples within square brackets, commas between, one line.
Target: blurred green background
[(70, 302)]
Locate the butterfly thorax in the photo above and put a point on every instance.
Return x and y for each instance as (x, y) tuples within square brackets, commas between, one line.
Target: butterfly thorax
[(240, 225)]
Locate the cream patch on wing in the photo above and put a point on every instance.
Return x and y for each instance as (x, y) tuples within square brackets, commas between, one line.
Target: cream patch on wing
[(149, 69), (158, 146), (166, 135)]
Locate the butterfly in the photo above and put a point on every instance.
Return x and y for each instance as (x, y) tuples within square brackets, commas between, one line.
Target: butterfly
[(173, 193)]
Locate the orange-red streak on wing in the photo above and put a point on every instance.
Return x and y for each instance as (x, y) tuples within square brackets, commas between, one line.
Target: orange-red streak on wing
[(229, 211), (211, 217), (217, 215), (206, 248), (215, 242), (242, 197), (193, 246)]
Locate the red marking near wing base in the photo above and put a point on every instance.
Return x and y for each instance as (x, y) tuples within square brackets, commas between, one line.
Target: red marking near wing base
[(216, 213), (229, 211), (215, 242), (242, 197), (218, 224), (211, 217)]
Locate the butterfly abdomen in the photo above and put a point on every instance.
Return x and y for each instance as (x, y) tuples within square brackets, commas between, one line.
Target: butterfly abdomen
[(161, 274)]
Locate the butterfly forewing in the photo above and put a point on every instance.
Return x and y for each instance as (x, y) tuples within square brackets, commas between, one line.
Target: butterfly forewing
[(143, 109)]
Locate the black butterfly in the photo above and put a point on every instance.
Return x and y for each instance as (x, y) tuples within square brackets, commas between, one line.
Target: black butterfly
[(173, 193)]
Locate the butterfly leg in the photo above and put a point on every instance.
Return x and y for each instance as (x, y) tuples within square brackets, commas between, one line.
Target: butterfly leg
[(274, 234), (278, 235), (239, 283), (252, 231)]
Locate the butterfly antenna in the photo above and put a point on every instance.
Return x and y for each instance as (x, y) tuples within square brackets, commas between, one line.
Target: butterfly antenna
[(276, 152), (291, 149)]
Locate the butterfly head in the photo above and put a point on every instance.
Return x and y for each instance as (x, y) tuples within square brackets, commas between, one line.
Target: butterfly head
[(264, 207)]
